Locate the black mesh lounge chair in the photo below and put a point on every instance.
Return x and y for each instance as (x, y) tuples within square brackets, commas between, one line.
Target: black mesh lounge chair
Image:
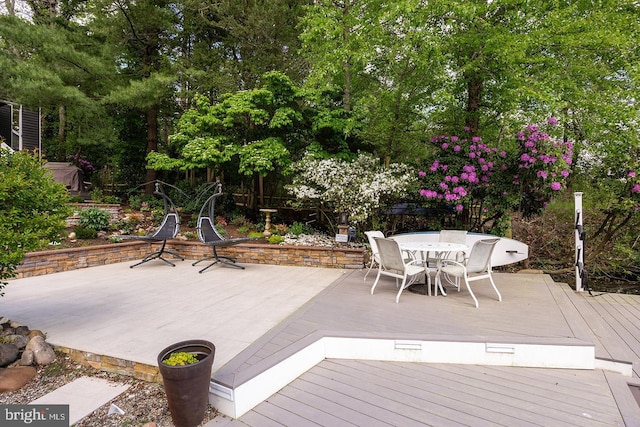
[(168, 230), (209, 235)]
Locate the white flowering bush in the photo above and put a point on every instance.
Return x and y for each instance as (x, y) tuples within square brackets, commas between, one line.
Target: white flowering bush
[(358, 188)]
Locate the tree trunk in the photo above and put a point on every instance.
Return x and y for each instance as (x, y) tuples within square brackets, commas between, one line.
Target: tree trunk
[(152, 145), (474, 101), (62, 133)]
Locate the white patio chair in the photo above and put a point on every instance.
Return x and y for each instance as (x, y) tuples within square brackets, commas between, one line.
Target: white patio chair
[(454, 236), (476, 267), (375, 259), (393, 264)]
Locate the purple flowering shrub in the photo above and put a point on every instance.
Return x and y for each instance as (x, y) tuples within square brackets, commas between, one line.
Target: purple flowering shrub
[(481, 183), (81, 162)]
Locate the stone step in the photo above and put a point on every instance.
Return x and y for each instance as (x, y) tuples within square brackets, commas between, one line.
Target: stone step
[(84, 395)]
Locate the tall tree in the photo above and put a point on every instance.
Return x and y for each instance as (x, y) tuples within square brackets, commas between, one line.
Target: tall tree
[(141, 36)]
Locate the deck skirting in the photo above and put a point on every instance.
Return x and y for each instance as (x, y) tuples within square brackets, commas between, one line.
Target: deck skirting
[(236, 398)]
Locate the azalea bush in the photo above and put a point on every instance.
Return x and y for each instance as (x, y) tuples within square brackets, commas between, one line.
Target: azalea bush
[(358, 188), (480, 184)]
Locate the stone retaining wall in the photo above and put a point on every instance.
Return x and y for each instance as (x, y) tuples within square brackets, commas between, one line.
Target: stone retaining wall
[(53, 261)]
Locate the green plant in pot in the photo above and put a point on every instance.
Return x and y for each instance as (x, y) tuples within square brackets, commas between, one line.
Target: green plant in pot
[(185, 368)]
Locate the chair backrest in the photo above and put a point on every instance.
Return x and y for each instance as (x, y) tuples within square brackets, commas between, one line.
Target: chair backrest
[(207, 232), (372, 242), (453, 236), (480, 257), (169, 228), (390, 255)]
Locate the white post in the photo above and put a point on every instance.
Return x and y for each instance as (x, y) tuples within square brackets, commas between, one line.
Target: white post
[(579, 253)]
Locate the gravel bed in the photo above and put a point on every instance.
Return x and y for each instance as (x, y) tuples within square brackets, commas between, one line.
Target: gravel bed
[(142, 402)]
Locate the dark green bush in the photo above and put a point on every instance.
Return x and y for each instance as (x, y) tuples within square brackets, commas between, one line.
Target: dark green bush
[(86, 233), (95, 218)]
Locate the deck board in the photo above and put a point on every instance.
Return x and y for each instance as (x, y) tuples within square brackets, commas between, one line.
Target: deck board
[(404, 394)]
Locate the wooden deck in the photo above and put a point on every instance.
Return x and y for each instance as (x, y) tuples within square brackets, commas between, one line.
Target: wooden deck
[(338, 392)]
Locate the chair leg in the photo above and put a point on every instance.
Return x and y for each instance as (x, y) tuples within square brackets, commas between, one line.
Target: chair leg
[(402, 286), (495, 288), (218, 259), (369, 270), (158, 255), (375, 283), (471, 292)]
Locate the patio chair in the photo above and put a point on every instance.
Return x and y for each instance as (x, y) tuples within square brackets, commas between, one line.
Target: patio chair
[(209, 233), (476, 267), (393, 264), (454, 236), (168, 229), (375, 258)]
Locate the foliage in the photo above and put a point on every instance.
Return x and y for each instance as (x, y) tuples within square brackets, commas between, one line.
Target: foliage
[(115, 239), (94, 218), (181, 358), (259, 131), (86, 233), (298, 228), (275, 239), (33, 209), (484, 184), (358, 188)]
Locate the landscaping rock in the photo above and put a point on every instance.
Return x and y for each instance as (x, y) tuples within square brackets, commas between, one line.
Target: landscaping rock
[(12, 379), (27, 358), (35, 333), (43, 354), (22, 330), (19, 341), (8, 353)]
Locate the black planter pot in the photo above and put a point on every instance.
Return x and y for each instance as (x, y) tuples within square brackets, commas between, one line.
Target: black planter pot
[(187, 387)]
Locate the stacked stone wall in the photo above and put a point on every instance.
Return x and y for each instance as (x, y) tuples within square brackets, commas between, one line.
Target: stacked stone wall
[(54, 261)]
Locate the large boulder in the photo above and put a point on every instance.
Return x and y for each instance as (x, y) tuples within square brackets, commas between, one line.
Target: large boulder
[(43, 354), (8, 353), (12, 379)]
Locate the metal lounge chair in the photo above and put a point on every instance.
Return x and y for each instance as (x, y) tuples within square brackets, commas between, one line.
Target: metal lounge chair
[(209, 234), (168, 230), (476, 267)]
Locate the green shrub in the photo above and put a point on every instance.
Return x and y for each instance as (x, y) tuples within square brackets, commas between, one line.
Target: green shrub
[(96, 195), (115, 239), (135, 202), (190, 235), (33, 209), (94, 218), (239, 220), (275, 239), (86, 233), (298, 228), (256, 234), (157, 215)]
